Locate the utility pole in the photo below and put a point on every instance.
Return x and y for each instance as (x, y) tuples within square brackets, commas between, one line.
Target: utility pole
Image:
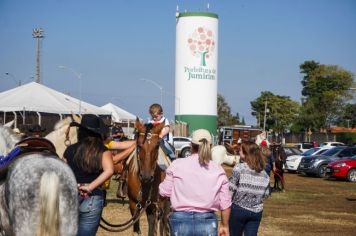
[(37, 33), (264, 119)]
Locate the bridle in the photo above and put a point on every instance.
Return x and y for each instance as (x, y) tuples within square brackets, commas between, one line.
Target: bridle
[(147, 136)]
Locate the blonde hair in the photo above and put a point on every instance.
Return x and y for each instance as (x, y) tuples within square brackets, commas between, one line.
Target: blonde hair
[(155, 109), (254, 157), (204, 151)]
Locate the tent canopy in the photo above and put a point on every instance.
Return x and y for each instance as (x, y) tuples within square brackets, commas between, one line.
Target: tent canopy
[(39, 98), (118, 114)]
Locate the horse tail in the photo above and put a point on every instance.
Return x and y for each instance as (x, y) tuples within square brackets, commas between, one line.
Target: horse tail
[(49, 205)]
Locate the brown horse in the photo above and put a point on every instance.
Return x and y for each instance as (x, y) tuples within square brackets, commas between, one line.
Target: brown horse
[(144, 177)]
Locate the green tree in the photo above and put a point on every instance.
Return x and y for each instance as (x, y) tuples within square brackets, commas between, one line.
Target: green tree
[(325, 90), (281, 111), (348, 119), (224, 113)]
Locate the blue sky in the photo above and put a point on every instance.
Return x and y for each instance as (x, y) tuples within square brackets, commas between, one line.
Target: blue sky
[(116, 43)]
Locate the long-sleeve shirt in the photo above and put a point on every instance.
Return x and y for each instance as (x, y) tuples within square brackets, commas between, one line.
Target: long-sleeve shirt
[(196, 188), (248, 187)]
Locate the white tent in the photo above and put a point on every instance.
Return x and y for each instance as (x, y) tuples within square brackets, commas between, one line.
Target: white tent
[(38, 98), (118, 114)]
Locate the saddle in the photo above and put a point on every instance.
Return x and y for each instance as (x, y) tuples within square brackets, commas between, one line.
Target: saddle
[(27, 145)]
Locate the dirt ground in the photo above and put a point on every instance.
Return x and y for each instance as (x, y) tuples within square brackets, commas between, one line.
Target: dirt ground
[(309, 206)]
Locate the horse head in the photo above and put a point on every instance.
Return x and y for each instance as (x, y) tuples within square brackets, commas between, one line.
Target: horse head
[(63, 135), (148, 141)]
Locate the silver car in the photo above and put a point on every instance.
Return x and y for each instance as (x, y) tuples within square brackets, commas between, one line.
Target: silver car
[(182, 146)]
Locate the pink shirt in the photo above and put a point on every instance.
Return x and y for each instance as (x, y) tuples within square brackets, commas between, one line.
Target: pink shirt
[(192, 187)]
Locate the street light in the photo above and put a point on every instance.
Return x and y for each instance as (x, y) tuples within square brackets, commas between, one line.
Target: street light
[(18, 82), (79, 76), (157, 85)]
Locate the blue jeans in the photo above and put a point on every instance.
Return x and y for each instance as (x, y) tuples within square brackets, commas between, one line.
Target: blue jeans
[(167, 149), (90, 210), (244, 221), (193, 224)]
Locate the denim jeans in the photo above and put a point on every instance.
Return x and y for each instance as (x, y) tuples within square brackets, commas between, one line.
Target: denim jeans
[(90, 210), (193, 224), (167, 149), (244, 221)]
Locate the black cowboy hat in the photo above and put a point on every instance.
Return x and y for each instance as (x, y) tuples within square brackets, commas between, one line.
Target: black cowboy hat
[(92, 123), (36, 129)]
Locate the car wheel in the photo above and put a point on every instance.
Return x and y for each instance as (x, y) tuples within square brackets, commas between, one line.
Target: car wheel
[(322, 171), (351, 176), (186, 152)]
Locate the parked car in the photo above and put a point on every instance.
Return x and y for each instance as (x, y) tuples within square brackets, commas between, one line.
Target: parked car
[(182, 146), (292, 162), (331, 144), (344, 169), (290, 151), (316, 165), (304, 146)]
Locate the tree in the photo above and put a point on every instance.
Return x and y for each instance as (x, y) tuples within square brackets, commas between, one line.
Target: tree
[(325, 90), (224, 113), (281, 111), (348, 119)]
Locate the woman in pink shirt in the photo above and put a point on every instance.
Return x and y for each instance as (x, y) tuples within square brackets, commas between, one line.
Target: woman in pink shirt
[(197, 188)]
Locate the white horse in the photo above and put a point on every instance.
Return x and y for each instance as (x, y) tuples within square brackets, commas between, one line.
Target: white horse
[(38, 195), (220, 156)]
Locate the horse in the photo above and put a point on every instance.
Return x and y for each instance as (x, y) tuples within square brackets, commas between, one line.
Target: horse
[(38, 196), (62, 136), (280, 160), (144, 177), (220, 156)]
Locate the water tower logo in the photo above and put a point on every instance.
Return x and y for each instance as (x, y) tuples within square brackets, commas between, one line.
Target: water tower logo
[(201, 44)]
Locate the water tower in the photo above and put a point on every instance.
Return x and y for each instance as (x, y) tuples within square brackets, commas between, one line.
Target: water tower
[(196, 74)]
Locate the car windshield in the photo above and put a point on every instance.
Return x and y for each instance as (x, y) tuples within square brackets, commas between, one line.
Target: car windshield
[(310, 151), (332, 151)]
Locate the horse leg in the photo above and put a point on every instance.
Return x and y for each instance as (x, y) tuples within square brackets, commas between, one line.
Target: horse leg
[(152, 218), (164, 224), (136, 225)]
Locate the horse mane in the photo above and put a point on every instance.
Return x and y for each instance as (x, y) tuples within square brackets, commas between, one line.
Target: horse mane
[(133, 160), (8, 139)]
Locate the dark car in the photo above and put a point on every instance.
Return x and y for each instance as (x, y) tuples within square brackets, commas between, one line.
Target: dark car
[(316, 165)]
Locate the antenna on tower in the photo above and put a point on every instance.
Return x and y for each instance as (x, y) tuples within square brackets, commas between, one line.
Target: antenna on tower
[(37, 33)]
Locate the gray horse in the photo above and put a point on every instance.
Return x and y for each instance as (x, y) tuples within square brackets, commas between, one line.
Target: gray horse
[(38, 195)]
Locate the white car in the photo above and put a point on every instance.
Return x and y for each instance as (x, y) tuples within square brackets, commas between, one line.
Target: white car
[(292, 162), (331, 144)]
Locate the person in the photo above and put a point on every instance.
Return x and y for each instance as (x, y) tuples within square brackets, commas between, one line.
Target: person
[(156, 112), (117, 134), (270, 160), (36, 131), (92, 165), (249, 187), (197, 187), (121, 148)]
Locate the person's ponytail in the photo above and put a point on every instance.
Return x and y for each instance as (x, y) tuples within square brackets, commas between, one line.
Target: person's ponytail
[(204, 152)]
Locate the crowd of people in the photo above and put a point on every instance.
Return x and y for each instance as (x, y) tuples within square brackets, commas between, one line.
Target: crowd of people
[(196, 186)]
